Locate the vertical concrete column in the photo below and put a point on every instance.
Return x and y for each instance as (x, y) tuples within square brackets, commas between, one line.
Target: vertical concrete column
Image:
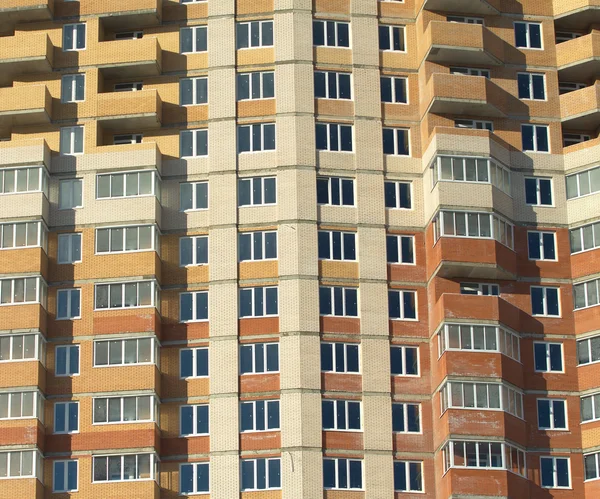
[(223, 289), (377, 410), (298, 270)]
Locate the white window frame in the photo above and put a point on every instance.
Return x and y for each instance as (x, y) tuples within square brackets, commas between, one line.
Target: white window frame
[(545, 301), (506, 452), (71, 81), (122, 420), (339, 126), (399, 197), (587, 288), (263, 145), (69, 204), (465, 71), (127, 138), (495, 223), (68, 349), (578, 176), (330, 189), (267, 477), (403, 349), (474, 124), (345, 356), (154, 348), (194, 195), (338, 461), (72, 132), (336, 25), (193, 239), (593, 397), (195, 432), (596, 458), (344, 299), (535, 127), (407, 477), (40, 288), (554, 472), (111, 176), (36, 464), (153, 295), (74, 37), (195, 374), (551, 403), (530, 79), (153, 467), (71, 240), (261, 24), (330, 246), (262, 191), (197, 134), (396, 134), (251, 86), (588, 347), (64, 407), (195, 310), (255, 354), (253, 301), (153, 238), (344, 406), (8, 188), (542, 246), (69, 293), (405, 418), (134, 86), (195, 96), (337, 76), (194, 466), (39, 348), (193, 30), (547, 345), (506, 342), (268, 405), (465, 20), (538, 190), (398, 243), (395, 97), (253, 256), (37, 405), (401, 293), (528, 35), (66, 475), (40, 239), (390, 37)]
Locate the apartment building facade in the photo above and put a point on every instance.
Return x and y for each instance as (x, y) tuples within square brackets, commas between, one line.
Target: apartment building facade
[(289, 249)]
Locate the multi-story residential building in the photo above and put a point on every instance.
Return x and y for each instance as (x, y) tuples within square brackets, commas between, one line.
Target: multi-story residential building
[(284, 249)]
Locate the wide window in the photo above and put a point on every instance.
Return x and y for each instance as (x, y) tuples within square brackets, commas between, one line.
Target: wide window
[(22, 290), (476, 337), (408, 476), (337, 301), (193, 420), (256, 138), (66, 417), (193, 196), (331, 34), (394, 89), (69, 248), (396, 141), (65, 476), (470, 71), (545, 301), (21, 405), (538, 191), (254, 34), (531, 86), (476, 225), (259, 358), (66, 360), (258, 302), (332, 85), (125, 467), (555, 472), (585, 238), (21, 464), (125, 352), (70, 194), (479, 289), (552, 414), (588, 350), (68, 304), (587, 294), (341, 415), (193, 39), (334, 137), (261, 474), (406, 417), (17, 347), (398, 195), (535, 138), (342, 474), (404, 361), (548, 357), (71, 140), (257, 191), (340, 358), (484, 455), (73, 37), (336, 191), (402, 304), (258, 245), (590, 408), (193, 362), (193, 91), (336, 245), (194, 478), (126, 239), (471, 169), (392, 38), (23, 180), (193, 250), (541, 245), (23, 235), (400, 249), (528, 35), (259, 415), (124, 409), (72, 88), (193, 306), (488, 396), (126, 295), (474, 124), (193, 143), (583, 183), (256, 85), (130, 184)]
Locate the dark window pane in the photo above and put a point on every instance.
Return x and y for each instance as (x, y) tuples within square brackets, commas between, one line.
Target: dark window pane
[(523, 84), (318, 33), (530, 191), (540, 357), (326, 357), (320, 91), (386, 90)]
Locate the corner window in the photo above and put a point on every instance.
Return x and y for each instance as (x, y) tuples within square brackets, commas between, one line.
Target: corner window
[(193, 39), (254, 34), (70, 194), (583, 183), (592, 466), (586, 294), (535, 138), (588, 350), (528, 35), (73, 37), (590, 408), (68, 304)]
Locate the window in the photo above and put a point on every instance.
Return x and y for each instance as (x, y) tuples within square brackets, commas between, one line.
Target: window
[(257, 85), (21, 464), (406, 417), (584, 183), (340, 358), (538, 191), (193, 39), (261, 474), (480, 289), (17, 347), (548, 357), (475, 337), (21, 405), (341, 415), (528, 35), (400, 249), (65, 476), (72, 88), (402, 304), (23, 180), (22, 290), (73, 37), (258, 245), (193, 91), (126, 295), (590, 408), (254, 34), (193, 143), (564, 36), (477, 225), (23, 235), (258, 302), (70, 194), (488, 396), (194, 477), (535, 138), (131, 184), (474, 124), (66, 417), (469, 169), (193, 251), (470, 72), (570, 139), (565, 87), (544, 301), (331, 34), (586, 294), (531, 86), (588, 350), (67, 360), (259, 415), (408, 476), (193, 196), (334, 137), (130, 138), (193, 306), (126, 239), (68, 304), (392, 38), (592, 466), (404, 361), (398, 195), (338, 301), (257, 191), (336, 245), (259, 358), (552, 414), (466, 20), (193, 362), (193, 420), (125, 352), (396, 141), (123, 409), (555, 472), (256, 138), (335, 191), (332, 85), (71, 140), (484, 455), (128, 87), (129, 35), (342, 474), (394, 89), (125, 467), (542, 245)]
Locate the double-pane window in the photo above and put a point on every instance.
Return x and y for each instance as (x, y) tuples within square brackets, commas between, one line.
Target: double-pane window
[(126, 295), (398, 195), (193, 420), (394, 89), (548, 357), (538, 191), (72, 88), (125, 467), (338, 301), (193, 306), (585, 238), (404, 361), (332, 85), (254, 34), (256, 85), (259, 415), (193, 39), (552, 414), (331, 34), (259, 358), (408, 476), (406, 417), (261, 474), (256, 138), (336, 191), (194, 478), (70, 194), (591, 465), (193, 196), (123, 409), (258, 245), (69, 248), (528, 35), (193, 91), (65, 475), (257, 191), (402, 304), (555, 472), (71, 140), (66, 417), (66, 360), (535, 138), (341, 415), (334, 137), (340, 358), (193, 250), (342, 474), (258, 302), (125, 239), (68, 304), (400, 249), (73, 37), (396, 141), (193, 362), (584, 183), (590, 408), (531, 86), (587, 294), (336, 245), (125, 352), (545, 301), (541, 245), (588, 350), (392, 38), (130, 184), (193, 143)]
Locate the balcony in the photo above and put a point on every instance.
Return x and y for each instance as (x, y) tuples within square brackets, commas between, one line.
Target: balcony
[(454, 43), (578, 60), (580, 110), (576, 15), (24, 205), (463, 95), (20, 317), (24, 261), (479, 7), (23, 54), (129, 58), (24, 152), (25, 105), (19, 11), (130, 110), (116, 14)]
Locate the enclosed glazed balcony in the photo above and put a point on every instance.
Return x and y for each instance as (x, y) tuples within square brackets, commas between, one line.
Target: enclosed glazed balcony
[(18, 11), (129, 58), (130, 110), (25, 53), (578, 60), (576, 14), (116, 14), (25, 105), (580, 110), (479, 7), (463, 95), (454, 43)]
